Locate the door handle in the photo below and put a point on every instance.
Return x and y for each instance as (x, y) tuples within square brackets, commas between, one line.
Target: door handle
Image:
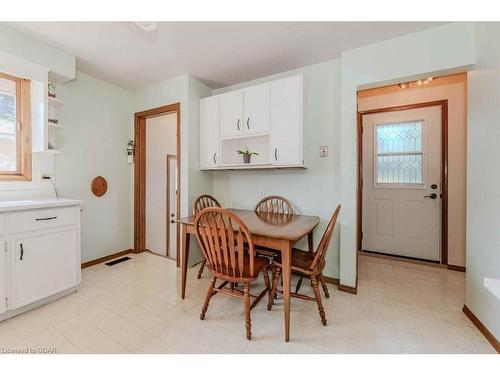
[(432, 196), (248, 123), (215, 159), (276, 153), (238, 124), (22, 251)]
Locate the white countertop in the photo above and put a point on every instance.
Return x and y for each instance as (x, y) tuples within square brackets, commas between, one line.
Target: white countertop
[(493, 285), (7, 206)]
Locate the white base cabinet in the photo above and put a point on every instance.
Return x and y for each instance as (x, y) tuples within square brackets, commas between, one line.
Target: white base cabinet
[(40, 256)]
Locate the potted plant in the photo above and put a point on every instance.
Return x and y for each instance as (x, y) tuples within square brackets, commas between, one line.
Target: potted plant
[(246, 155)]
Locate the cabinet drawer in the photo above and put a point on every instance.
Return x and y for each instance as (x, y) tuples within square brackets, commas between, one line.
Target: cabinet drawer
[(27, 221)]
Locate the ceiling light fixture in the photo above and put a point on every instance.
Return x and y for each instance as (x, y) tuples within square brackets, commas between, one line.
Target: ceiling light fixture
[(147, 26)]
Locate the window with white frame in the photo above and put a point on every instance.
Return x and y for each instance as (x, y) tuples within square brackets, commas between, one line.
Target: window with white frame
[(399, 153)]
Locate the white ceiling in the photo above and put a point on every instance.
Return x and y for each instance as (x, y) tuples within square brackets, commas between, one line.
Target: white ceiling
[(218, 53)]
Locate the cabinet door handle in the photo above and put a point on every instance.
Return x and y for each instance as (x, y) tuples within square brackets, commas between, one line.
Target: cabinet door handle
[(238, 124), (276, 153), (22, 251), (248, 123), (46, 218), (215, 159)]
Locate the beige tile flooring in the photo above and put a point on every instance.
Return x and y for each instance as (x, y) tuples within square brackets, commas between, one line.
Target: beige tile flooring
[(133, 307)]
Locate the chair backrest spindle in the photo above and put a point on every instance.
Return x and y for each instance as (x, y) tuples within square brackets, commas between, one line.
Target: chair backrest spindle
[(319, 257), (274, 204)]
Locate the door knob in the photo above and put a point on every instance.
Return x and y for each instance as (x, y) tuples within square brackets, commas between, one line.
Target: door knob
[(432, 196), (172, 215)]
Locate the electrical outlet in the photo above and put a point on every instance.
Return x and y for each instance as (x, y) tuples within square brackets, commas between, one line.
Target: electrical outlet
[(323, 151)]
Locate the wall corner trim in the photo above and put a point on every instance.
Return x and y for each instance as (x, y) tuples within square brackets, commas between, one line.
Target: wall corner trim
[(482, 328)]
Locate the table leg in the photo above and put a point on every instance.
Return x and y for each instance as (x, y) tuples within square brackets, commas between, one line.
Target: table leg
[(184, 257), (286, 258), (310, 242)]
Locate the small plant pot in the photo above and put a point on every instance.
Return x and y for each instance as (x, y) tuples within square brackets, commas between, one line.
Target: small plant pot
[(246, 159)]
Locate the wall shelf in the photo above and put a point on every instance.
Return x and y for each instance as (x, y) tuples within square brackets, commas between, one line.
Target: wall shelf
[(252, 166), (245, 136)]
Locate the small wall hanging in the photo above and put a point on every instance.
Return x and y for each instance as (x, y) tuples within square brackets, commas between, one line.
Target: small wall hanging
[(99, 186)]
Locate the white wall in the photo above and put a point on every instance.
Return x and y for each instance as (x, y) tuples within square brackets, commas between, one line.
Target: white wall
[(315, 190), (439, 51), (97, 119), (483, 181), (455, 91), (61, 64), (161, 140)]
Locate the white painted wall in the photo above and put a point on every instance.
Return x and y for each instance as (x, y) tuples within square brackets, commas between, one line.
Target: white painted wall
[(97, 119), (161, 140), (61, 64), (483, 181), (315, 190), (439, 51), (455, 93)]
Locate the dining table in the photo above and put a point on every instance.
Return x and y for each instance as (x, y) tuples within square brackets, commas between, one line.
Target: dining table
[(278, 231)]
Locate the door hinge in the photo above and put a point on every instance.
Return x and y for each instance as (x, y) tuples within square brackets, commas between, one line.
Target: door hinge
[(361, 234)]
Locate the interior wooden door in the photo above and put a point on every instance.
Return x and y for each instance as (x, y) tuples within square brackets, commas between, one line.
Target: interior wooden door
[(402, 183)]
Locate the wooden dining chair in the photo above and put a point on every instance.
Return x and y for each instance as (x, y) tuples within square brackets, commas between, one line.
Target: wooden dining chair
[(202, 202), (228, 248), (270, 205), (309, 265)]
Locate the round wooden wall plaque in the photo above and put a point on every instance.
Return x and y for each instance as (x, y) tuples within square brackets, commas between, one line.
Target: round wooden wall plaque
[(99, 186)]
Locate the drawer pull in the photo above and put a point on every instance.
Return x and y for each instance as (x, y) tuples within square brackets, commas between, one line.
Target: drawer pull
[(46, 218), (22, 251)]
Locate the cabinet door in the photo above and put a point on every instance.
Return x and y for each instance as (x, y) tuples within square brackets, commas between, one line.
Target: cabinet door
[(3, 275), (43, 264), (209, 132), (286, 121), (231, 114), (256, 109)]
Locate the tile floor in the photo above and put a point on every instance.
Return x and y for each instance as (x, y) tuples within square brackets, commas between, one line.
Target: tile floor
[(133, 307)]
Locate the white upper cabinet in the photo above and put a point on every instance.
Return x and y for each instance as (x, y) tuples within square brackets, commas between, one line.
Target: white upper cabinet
[(287, 121), (209, 132), (231, 114), (266, 120), (256, 109)]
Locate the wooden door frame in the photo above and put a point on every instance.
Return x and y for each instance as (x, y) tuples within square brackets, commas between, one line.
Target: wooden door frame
[(444, 171), (140, 173), (170, 157)]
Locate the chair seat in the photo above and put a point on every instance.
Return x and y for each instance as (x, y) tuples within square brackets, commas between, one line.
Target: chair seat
[(301, 261), (259, 264)]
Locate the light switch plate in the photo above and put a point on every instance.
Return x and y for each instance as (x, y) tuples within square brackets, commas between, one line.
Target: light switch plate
[(323, 151)]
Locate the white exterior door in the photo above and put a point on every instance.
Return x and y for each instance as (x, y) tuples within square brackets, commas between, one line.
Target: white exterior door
[(172, 205), (402, 183), (256, 109), (231, 114), (3, 275), (209, 132), (286, 121), (43, 265)]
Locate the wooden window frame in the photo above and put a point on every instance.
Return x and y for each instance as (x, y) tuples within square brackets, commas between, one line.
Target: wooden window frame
[(23, 131)]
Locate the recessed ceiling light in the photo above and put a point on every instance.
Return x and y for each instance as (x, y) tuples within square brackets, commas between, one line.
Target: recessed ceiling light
[(147, 26)]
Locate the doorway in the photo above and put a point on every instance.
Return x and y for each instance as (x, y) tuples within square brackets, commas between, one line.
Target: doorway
[(155, 130), (403, 180)]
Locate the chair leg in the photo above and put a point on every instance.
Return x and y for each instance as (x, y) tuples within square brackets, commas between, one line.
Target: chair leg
[(272, 294), (266, 280), (323, 284), (210, 292), (202, 266), (246, 298), (299, 284), (314, 282)]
